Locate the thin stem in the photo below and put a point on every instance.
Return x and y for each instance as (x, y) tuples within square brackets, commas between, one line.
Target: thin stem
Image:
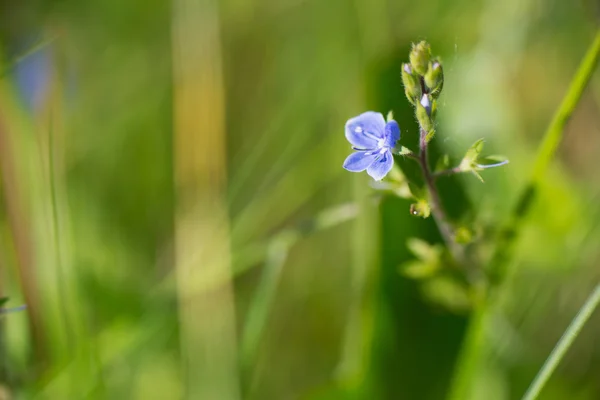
[(563, 345), (436, 204)]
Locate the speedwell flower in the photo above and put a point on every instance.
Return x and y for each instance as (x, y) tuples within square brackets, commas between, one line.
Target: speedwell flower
[(373, 139)]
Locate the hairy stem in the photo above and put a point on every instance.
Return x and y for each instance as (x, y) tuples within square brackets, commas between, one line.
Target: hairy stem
[(436, 204)]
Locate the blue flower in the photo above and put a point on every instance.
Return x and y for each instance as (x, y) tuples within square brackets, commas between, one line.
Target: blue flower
[(373, 141)]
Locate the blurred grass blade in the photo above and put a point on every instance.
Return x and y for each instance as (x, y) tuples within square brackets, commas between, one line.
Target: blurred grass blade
[(262, 302), (563, 345), (207, 316), (545, 154), (276, 252)]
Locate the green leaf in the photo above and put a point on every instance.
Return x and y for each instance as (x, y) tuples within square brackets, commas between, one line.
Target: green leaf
[(405, 151), (443, 163), (447, 293), (471, 155), (477, 175), (430, 135), (418, 269), (423, 250), (390, 116), (493, 159), (417, 192)]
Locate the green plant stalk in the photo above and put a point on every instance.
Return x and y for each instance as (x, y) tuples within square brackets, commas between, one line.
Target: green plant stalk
[(547, 150), (563, 345), (470, 352), (467, 360), (436, 204), (275, 252)]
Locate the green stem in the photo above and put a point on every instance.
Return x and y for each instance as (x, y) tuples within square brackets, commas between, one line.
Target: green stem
[(563, 345), (545, 154), (436, 203), (466, 365)]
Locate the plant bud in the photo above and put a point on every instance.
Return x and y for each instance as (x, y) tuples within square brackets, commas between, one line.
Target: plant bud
[(412, 87), (420, 56), (420, 209), (426, 103), (423, 117), (434, 78)]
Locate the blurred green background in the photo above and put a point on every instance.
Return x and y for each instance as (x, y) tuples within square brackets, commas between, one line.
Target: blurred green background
[(175, 215)]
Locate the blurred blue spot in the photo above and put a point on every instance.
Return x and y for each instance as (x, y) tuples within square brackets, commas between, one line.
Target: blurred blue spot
[(32, 75)]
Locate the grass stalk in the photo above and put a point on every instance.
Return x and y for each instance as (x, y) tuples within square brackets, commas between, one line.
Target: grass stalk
[(563, 345)]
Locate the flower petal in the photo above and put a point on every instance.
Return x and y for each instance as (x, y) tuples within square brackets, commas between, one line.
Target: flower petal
[(382, 166), (359, 161), (365, 130), (392, 134)]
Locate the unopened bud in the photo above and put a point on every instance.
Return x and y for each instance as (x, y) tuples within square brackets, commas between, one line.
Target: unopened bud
[(423, 116), (420, 209), (412, 87), (420, 56), (434, 78), (426, 104)]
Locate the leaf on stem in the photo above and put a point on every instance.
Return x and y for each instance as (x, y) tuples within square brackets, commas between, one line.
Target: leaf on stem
[(428, 259), (472, 162)]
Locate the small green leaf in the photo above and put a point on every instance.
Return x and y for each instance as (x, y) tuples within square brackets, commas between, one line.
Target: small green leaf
[(493, 159), (403, 191), (472, 154), (417, 192), (430, 135), (443, 163), (473, 163), (447, 293), (423, 250), (477, 175), (390, 116), (418, 269), (405, 151)]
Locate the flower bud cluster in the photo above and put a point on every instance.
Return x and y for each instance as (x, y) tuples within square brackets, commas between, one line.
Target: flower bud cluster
[(423, 79)]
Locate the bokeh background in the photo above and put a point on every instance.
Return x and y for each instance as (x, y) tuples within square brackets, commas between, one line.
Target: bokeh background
[(174, 213)]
